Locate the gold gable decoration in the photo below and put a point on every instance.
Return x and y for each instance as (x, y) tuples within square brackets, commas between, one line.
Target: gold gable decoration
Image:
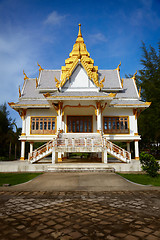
[(79, 53)]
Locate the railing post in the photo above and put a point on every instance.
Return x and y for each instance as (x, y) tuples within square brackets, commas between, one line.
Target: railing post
[(66, 142), (73, 142), (92, 143), (85, 142)]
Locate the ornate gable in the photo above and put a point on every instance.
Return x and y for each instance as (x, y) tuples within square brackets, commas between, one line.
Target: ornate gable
[(79, 53)]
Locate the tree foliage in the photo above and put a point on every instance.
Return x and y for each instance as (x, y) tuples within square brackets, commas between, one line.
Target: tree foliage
[(8, 137), (149, 164), (149, 80)]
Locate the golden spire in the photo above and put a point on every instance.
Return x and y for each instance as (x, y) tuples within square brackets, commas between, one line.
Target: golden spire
[(79, 53), (25, 76)]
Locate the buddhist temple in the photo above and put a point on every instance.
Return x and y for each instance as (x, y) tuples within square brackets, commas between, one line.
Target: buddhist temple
[(79, 109)]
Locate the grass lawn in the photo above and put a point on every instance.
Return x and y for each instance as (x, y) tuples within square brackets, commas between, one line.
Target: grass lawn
[(16, 178), (142, 179)]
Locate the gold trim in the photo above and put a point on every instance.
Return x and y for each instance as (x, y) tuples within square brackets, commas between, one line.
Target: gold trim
[(101, 83), (112, 95), (47, 94), (23, 134), (22, 158), (136, 158), (136, 134), (134, 76), (19, 92), (40, 68), (36, 82), (11, 103), (78, 106), (139, 93), (57, 82), (118, 67), (25, 76), (59, 159), (78, 96)]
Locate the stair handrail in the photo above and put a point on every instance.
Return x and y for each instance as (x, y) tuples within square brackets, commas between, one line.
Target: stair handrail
[(119, 148), (37, 150)]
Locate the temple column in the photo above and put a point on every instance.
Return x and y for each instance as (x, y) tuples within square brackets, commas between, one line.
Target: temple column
[(128, 147), (31, 147), (59, 157), (23, 114), (54, 156), (99, 118), (104, 157), (22, 150), (136, 150)]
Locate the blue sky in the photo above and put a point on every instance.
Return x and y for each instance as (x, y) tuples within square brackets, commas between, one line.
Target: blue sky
[(45, 31)]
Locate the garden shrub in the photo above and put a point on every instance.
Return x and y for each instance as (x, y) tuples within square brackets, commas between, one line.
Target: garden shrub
[(149, 164)]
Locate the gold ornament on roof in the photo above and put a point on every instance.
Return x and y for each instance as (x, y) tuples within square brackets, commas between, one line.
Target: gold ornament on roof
[(112, 95), (19, 92), (79, 53), (36, 82), (122, 82), (57, 82), (118, 68), (101, 83), (25, 76), (134, 76), (40, 68)]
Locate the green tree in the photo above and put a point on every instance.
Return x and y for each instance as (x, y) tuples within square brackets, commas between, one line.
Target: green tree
[(149, 80), (8, 137)]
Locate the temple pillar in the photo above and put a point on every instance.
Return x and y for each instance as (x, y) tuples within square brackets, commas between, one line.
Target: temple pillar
[(128, 147), (59, 157), (22, 150), (104, 157), (23, 114), (54, 156), (99, 118), (136, 150), (31, 147)]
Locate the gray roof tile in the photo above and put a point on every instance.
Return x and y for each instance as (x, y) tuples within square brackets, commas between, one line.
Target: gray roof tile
[(47, 79)]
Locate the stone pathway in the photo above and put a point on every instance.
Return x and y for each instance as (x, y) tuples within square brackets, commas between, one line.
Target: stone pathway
[(80, 215)]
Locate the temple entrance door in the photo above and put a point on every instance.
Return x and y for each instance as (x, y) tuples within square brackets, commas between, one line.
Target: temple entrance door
[(79, 124)]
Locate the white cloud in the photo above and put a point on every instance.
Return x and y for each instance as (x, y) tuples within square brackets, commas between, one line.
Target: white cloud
[(54, 18), (97, 38)]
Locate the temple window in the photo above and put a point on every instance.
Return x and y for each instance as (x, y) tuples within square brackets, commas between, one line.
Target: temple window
[(116, 125), (43, 125)]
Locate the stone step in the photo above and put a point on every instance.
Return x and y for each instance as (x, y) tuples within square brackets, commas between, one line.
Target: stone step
[(80, 169)]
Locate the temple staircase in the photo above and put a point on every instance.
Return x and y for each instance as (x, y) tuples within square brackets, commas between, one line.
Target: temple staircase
[(80, 143)]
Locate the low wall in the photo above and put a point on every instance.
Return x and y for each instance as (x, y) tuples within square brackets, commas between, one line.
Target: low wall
[(25, 166)]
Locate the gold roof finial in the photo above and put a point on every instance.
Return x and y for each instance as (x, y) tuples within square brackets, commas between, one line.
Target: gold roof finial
[(134, 76), (25, 76), (79, 38), (19, 92), (40, 68), (79, 33)]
